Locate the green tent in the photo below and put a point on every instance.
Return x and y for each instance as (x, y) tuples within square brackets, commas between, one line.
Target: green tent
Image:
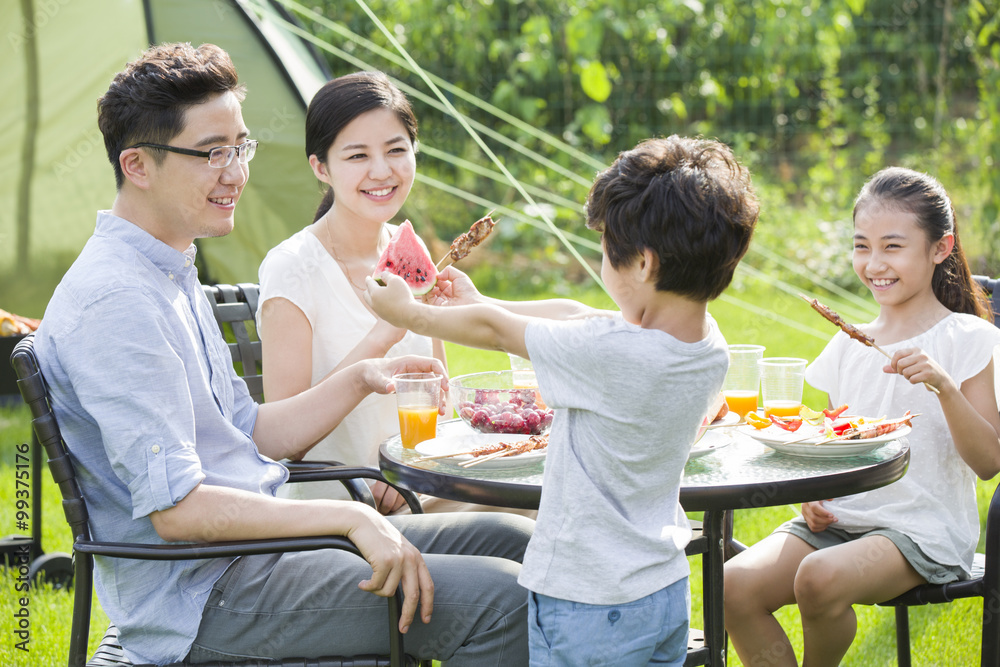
[(60, 56)]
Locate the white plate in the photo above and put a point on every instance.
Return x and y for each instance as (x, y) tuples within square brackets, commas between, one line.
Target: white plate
[(721, 424), (448, 444), (711, 441), (778, 439)]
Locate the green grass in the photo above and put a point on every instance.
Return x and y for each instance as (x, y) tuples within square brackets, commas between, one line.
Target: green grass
[(941, 634)]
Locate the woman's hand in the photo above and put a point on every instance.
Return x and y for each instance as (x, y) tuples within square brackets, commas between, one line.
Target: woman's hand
[(385, 335), (453, 288), (387, 499), (914, 365), (817, 517)]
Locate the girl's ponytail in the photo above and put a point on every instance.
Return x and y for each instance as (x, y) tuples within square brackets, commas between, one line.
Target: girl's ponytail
[(955, 287), (924, 197)]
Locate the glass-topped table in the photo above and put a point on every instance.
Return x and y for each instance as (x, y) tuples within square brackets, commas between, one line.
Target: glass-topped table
[(740, 475)]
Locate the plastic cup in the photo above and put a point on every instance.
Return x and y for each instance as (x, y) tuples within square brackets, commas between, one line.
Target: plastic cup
[(781, 380), (743, 379), (523, 377), (418, 397), (523, 372)]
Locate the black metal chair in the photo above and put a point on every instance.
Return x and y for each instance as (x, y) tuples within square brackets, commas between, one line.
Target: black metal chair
[(35, 394), (235, 310), (985, 580)]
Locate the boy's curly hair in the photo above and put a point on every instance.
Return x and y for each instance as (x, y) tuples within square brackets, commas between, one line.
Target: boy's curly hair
[(686, 199), (147, 100)]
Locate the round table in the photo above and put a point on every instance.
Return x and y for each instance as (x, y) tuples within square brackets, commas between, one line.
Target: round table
[(740, 475)]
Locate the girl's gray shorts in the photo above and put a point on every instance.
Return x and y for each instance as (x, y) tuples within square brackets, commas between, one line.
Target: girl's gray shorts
[(932, 572)]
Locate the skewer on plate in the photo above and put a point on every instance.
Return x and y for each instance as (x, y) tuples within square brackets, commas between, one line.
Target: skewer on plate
[(421, 459), (852, 331), (483, 459)]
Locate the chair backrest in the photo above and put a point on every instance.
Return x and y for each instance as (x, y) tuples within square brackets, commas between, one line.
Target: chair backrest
[(34, 391), (990, 285), (235, 309)]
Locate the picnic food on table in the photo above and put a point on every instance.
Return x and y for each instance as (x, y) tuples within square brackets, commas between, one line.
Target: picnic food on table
[(16, 325), (500, 449), (465, 242), (407, 257), (852, 331), (835, 427), (487, 412), (492, 402)]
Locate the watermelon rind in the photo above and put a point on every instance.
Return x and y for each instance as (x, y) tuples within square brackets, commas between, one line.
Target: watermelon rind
[(406, 256)]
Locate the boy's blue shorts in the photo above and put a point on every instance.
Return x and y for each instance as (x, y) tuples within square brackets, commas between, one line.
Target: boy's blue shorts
[(649, 631)]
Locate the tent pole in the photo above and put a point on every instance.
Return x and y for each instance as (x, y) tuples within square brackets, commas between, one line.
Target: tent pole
[(31, 109)]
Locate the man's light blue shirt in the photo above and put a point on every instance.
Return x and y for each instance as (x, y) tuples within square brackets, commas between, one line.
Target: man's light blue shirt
[(145, 393)]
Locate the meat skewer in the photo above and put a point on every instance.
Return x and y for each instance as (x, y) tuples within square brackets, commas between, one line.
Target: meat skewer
[(864, 431), (852, 330), (465, 242), (533, 443), (504, 448)]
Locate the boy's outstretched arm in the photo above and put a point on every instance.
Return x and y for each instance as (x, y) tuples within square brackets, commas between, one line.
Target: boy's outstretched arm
[(455, 288), (483, 325)]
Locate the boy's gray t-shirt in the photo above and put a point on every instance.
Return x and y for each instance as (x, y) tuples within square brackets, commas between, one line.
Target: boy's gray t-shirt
[(628, 403)]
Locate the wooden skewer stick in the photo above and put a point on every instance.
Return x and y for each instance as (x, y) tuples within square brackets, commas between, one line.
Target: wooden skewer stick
[(420, 459), (482, 459), (838, 439), (445, 261), (852, 331)]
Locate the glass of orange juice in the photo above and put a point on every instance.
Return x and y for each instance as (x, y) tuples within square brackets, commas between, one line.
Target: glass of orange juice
[(781, 380), (418, 398), (743, 379)]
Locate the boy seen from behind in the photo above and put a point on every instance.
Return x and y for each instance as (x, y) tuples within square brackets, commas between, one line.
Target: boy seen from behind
[(606, 564)]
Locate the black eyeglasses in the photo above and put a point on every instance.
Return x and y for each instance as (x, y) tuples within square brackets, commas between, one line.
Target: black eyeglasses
[(219, 157)]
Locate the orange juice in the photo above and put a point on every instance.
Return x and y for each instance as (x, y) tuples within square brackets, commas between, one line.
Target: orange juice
[(741, 402), (782, 408), (417, 424)]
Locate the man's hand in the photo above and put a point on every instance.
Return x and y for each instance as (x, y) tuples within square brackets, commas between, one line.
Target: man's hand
[(394, 562), (377, 375), (817, 517)]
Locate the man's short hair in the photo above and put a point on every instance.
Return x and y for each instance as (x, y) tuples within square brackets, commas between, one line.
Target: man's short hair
[(686, 199), (147, 100)]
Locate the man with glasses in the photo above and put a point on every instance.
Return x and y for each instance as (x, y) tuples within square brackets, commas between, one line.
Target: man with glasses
[(169, 446)]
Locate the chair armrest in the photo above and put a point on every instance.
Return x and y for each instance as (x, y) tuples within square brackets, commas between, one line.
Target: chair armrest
[(188, 551), (324, 471), (244, 548)]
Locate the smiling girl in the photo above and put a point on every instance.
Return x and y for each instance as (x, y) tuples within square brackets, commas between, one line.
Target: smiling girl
[(361, 140), (871, 547)]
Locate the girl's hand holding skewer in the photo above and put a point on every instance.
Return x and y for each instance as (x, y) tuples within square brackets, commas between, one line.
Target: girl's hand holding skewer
[(914, 365)]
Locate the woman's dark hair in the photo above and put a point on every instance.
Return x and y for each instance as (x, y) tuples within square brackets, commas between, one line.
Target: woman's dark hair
[(686, 199), (147, 100), (342, 100), (905, 190)]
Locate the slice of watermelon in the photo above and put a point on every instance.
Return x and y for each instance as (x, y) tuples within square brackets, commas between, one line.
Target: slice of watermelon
[(407, 257)]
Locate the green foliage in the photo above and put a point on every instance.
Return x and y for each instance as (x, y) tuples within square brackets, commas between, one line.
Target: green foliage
[(813, 95)]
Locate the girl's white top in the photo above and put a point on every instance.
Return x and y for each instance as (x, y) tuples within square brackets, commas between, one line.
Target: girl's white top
[(935, 501), (301, 270)]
